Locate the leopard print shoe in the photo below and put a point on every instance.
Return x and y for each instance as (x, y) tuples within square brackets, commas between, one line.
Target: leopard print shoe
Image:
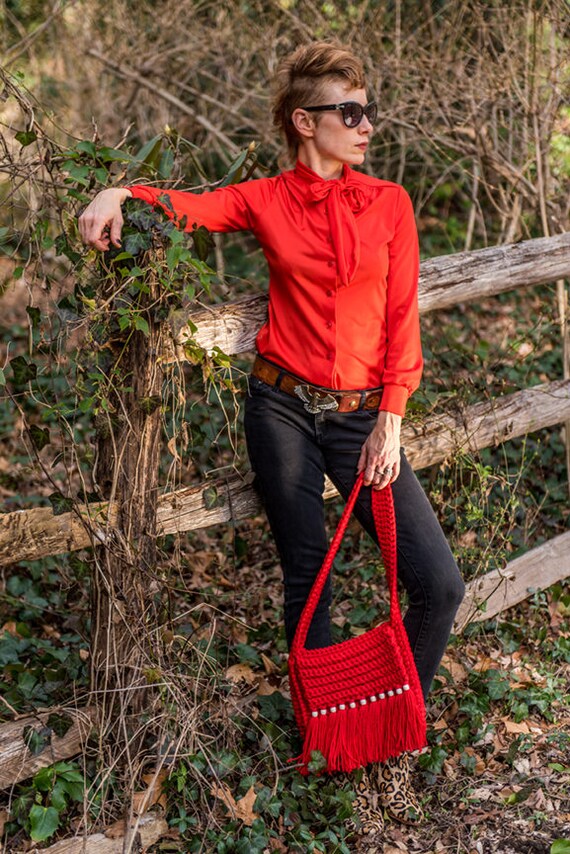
[(367, 818), (392, 779)]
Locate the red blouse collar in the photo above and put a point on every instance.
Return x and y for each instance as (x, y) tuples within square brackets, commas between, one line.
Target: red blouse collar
[(308, 176), (342, 198)]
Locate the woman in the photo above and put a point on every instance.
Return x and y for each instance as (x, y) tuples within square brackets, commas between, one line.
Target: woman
[(337, 359)]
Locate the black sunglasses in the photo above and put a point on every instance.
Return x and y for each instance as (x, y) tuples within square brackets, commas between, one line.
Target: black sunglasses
[(352, 111)]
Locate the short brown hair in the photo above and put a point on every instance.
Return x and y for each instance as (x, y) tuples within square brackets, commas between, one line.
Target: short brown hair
[(302, 75)]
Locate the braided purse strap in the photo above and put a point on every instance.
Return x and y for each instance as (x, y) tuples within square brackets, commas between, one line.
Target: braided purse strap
[(385, 522)]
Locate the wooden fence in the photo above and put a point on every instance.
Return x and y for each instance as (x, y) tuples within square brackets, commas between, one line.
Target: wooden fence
[(444, 281)]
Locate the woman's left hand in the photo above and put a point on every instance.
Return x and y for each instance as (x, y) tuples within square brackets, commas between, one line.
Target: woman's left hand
[(381, 451)]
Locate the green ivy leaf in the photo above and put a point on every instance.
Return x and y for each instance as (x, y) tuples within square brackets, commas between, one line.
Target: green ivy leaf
[(60, 503), (236, 169), (87, 146), (560, 846), (79, 174), (26, 137), (44, 779), (135, 243), (67, 308), (203, 242), (317, 763), (149, 154), (58, 796), (87, 497), (114, 154), (44, 821), (39, 436), (24, 371), (212, 498), (2, 377), (142, 325), (60, 724), (34, 314), (36, 740), (124, 321), (166, 164)]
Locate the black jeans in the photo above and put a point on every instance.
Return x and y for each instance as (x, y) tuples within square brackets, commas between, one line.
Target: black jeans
[(290, 452)]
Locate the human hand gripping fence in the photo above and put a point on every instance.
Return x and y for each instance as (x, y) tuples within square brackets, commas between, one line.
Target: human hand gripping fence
[(360, 700)]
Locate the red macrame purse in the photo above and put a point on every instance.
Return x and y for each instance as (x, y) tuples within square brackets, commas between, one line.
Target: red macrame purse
[(360, 700)]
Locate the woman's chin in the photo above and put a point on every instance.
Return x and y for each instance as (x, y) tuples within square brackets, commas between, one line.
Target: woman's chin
[(357, 158)]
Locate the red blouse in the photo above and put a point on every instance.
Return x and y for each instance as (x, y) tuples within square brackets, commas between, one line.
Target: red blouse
[(343, 274)]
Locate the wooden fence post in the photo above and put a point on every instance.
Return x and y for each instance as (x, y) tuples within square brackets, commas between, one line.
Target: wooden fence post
[(124, 582)]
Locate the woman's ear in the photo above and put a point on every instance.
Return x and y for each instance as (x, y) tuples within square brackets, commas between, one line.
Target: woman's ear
[(303, 123)]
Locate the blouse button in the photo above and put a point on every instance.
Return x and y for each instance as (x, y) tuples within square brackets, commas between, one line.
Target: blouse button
[(330, 263), (329, 324), (329, 356), (329, 293)]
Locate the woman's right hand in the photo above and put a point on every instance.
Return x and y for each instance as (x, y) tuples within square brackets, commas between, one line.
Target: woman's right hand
[(102, 220)]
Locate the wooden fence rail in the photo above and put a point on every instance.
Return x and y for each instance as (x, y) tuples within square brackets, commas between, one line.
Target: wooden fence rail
[(36, 533), (444, 281)]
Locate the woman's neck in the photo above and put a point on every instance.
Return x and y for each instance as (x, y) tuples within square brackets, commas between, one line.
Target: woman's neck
[(329, 170)]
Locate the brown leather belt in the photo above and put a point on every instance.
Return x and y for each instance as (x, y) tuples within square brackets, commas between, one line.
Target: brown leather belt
[(316, 398)]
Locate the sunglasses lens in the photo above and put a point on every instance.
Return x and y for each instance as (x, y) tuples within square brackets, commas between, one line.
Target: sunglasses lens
[(371, 112), (352, 114)]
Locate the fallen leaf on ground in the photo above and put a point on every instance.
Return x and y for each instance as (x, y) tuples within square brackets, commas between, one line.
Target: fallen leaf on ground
[(241, 809), (237, 672), (269, 665), (539, 801), (480, 794), (153, 794), (514, 727), (116, 830), (507, 791), (264, 688), (457, 671), (10, 628)]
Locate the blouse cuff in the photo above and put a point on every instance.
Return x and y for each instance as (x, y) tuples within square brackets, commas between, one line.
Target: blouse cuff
[(394, 399), (140, 193)]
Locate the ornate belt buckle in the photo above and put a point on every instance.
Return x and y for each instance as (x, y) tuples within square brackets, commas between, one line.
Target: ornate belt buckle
[(315, 401)]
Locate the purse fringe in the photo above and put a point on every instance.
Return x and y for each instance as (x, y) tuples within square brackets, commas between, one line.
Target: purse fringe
[(351, 738)]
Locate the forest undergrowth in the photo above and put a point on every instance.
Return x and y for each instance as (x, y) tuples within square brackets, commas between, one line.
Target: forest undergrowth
[(474, 122)]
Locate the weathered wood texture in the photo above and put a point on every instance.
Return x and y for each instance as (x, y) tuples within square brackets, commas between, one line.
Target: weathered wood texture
[(444, 281), (143, 833), (17, 762), (501, 589), (31, 534), (123, 578)]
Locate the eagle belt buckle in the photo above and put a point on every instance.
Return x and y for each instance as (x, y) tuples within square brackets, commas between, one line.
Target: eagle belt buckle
[(315, 401)]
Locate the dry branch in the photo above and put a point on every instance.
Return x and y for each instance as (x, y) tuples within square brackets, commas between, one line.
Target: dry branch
[(444, 281), (31, 534), (501, 589), (17, 762), (128, 74)]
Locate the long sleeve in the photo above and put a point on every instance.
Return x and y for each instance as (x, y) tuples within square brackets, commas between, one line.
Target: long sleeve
[(226, 209), (404, 362)]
